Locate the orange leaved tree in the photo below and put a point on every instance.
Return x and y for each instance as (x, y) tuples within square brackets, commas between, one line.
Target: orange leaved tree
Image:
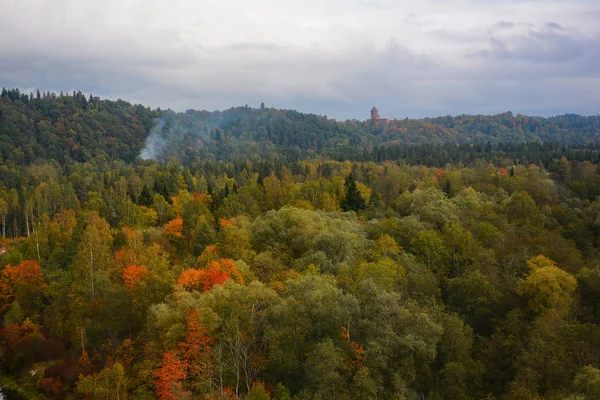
[(23, 283), (215, 273), (133, 274), (169, 376), (174, 228)]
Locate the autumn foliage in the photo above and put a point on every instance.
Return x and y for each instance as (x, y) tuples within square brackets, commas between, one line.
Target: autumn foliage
[(424, 287), (212, 277), (215, 273), (121, 258), (204, 198), (15, 334), (20, 282), (197, 350), (52, 386), (191, 278), (547, 286), (190, 362), (169, 376), (133, 274), (210, 253), (226, 223), (174, 228), (357, 348)]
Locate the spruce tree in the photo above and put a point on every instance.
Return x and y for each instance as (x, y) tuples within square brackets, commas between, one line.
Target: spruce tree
[(353, 200), (165, 193), (145, 198)]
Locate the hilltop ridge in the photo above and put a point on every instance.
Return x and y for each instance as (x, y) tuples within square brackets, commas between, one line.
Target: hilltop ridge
[(74, 127)]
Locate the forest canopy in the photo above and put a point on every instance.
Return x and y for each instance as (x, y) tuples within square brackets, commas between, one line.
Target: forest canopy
[(269, 254)]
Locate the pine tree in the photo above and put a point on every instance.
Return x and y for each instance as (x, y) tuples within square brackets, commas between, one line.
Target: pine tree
[(375, 199), (448, 187), (353, 200), (226, 191), (145, 198), (165, 193)]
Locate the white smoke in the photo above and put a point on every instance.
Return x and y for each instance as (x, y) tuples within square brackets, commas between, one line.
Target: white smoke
[(176, 133), (154, 142)]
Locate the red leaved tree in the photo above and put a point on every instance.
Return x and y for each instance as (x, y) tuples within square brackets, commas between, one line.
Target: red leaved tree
[(196, 350), (23, 283), (215, 273), (169, 376)]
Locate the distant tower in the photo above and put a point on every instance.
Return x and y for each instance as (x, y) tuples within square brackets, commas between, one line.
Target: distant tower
[(375, 114), (376, 119)]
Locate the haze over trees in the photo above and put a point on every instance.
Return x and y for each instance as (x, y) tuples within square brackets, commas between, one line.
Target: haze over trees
[(269, 254)]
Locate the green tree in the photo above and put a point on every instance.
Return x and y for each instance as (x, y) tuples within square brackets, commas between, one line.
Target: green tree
[(145, 197), (110, 383), (588, 289), (92, 260), (258, 392), (353, 200), (363, 387), (326, 371), (587, 383), (3, 210), (474, 298)]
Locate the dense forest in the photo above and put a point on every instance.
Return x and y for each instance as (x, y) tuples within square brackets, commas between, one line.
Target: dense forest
[(265, 254), (76, 128)]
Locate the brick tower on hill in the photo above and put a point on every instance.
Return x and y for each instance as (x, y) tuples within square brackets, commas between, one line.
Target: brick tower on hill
[(375, 114), (376, 119)]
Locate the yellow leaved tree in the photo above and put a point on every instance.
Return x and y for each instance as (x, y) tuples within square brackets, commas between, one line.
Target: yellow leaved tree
[(547, 286)]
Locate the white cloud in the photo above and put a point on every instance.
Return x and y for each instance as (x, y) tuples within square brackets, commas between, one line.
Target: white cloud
[(330, 56)]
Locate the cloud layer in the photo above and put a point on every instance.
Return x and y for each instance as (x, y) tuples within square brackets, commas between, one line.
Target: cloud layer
[(339, 58)]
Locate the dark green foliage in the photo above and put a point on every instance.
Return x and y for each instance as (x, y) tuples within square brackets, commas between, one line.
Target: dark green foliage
[(353, 200), (254, 134), (145, 198), (70, 128)]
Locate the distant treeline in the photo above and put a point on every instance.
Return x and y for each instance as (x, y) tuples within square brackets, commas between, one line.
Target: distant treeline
[(501, 154), (77, 128)]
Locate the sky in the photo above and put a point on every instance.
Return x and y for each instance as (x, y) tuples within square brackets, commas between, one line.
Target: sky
[(336, 58)]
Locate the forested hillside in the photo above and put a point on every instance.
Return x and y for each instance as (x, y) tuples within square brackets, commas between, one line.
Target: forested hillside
[(425, 271), (246, 133), (73, 128), (68, 128)]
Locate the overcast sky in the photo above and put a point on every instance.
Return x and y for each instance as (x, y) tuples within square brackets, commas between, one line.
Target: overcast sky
[(332, 57)]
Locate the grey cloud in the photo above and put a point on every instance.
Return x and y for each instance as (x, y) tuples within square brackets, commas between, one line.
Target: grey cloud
[(503, 25), (422, 67), (555, 26), (541, 46), (496, 83)]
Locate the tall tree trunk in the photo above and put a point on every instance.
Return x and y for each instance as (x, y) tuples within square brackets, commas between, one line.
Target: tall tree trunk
[(81, 331), (37, 243), (27, 219), (91, 268)]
